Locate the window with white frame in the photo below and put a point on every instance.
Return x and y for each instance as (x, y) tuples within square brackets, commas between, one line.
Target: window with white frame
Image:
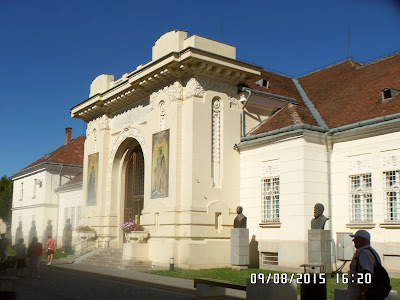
[(66, 214), (73, 217), (78, 215), (391, 186), (270, 200), (360, 198)]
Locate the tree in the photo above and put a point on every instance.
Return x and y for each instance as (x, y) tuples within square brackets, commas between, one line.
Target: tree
[(6, 193)]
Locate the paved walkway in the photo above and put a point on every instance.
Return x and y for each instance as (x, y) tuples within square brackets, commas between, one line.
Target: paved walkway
[(144, 279)]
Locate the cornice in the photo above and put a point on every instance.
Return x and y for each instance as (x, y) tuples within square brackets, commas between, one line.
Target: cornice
[(34, 206), (44, 166), (155, 75)]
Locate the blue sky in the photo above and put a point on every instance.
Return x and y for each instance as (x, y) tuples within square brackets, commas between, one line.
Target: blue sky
[(51, 50)]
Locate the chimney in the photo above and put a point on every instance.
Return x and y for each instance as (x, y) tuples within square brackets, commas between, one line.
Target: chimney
[(68, 131)]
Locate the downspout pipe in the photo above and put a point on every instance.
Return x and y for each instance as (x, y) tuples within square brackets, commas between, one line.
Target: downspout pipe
[(329, 178)]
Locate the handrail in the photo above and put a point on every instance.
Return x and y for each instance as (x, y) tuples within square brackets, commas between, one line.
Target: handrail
[(88, 246)]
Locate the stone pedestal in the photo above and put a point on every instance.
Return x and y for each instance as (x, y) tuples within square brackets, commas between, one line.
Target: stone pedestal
[(135, 252), (240, 247), (319, 248)]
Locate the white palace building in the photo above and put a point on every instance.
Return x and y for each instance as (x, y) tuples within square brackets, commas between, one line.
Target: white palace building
[(181, 141)]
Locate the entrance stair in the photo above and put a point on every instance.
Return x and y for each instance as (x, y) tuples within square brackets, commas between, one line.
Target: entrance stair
[(112, 258)]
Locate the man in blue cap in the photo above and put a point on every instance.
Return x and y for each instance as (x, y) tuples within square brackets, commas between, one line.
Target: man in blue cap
[(363, 262)]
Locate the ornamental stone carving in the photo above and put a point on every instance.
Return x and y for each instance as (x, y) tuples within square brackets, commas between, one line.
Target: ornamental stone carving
[(103, 122), (360, 164), (193, 89), (174, 91), (270, 168), (197, 86), (391, 160), (127, 132)]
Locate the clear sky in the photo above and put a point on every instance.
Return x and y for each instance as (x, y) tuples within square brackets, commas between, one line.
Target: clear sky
[(51, 50)]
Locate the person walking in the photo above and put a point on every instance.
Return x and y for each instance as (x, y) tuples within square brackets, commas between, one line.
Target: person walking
[(35, 252), (20, 256), (50, 249), (362, 266)]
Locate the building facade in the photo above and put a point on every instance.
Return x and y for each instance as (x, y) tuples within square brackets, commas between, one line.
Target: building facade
[(36, 203), (177, 144)]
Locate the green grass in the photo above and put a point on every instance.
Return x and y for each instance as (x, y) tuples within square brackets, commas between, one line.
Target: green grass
[(59, 254), (230, 275)]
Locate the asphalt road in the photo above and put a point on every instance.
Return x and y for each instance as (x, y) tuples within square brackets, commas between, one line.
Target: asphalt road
[(58, 283)]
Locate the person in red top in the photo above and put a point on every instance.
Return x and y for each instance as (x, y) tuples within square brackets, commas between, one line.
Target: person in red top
[(35, 252), (50, 249)]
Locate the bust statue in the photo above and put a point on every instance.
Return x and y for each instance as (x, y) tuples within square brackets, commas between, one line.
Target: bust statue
[(319, 219), (240, 220)]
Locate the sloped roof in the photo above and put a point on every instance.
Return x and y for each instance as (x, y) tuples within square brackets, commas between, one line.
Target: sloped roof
[(350, 92), (290, 114), (344, 93), (69, 154)]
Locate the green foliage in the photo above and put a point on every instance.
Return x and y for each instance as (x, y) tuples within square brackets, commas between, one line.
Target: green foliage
[(228, 274), (6, 192)]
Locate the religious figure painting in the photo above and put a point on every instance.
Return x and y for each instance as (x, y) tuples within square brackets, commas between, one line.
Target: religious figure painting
[(160, 164), (92, 179)]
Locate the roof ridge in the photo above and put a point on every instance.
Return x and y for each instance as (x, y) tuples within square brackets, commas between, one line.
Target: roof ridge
[(349, 59), (294, 114), (379, 59)]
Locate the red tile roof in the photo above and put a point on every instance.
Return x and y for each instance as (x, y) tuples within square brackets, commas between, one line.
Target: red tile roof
[(69, 154), (344, 93), (350, 92), (77, 179), (290, 114)]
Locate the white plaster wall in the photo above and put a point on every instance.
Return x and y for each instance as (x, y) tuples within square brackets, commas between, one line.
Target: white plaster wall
[(373, 149), (302, 170), (69, 199)]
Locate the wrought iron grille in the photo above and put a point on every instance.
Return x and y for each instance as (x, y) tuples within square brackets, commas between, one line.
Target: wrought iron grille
[(361, 198), (391, 186), (270, 200)]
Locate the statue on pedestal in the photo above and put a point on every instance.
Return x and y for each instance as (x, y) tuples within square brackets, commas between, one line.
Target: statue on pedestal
[(319, 219), (240, 220)]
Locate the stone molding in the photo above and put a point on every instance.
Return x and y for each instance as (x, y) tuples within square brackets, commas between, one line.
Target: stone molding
[(391, 160), (359, 164), (270, 168), (129, 131)]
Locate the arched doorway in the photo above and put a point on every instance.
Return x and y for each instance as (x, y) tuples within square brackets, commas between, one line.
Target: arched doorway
[(134, 185)]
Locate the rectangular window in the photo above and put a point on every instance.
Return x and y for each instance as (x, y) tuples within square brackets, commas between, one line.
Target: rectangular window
[(391, 186), (66, 214), (73, 217), (78, 215), (269, 258), (361, 198), (270, 200)]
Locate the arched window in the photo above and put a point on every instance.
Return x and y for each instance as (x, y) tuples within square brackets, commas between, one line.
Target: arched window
[(134, 190)]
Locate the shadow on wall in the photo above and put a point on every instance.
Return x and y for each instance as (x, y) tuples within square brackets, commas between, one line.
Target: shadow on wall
[(254, 260)]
